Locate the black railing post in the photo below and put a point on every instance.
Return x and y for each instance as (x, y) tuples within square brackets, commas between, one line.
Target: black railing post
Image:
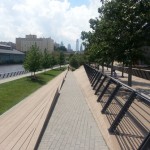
[(95, 78), (111, 98), (104, 90), (91, 73), (122, 112), (146, 143), (7, 75), (98, 79), (100, 84)]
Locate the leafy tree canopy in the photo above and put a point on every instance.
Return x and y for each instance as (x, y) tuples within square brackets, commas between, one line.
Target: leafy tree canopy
[(32, 61), (61, 59), (61, 48), (119, 32)]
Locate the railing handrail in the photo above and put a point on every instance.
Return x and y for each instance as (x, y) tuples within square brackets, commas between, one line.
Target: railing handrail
[(128, 87), (133, 68)]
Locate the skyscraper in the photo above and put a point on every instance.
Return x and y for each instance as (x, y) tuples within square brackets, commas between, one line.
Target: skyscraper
[(69, 47), (77, 45), (61, 44), (81, 48)]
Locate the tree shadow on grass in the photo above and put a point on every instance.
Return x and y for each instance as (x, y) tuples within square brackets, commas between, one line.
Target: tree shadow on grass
[(37, 79), (49, 74)]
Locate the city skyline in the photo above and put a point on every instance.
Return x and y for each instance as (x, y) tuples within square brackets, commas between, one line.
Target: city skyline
[(61, 20)]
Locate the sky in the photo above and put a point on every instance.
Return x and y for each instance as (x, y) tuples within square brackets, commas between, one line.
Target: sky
[(62, 20)]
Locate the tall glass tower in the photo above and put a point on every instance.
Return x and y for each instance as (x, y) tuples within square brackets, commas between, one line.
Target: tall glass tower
[(77, 45)]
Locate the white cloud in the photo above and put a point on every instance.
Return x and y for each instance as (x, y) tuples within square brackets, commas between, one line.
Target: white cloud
[(48, 18)]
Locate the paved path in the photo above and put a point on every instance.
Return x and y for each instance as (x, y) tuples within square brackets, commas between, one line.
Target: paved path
[(72, 126), (4, 80)]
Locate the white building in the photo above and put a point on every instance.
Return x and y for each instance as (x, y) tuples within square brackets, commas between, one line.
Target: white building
[(24, 44)]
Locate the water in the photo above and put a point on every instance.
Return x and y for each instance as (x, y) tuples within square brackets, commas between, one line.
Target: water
[(11, 68)]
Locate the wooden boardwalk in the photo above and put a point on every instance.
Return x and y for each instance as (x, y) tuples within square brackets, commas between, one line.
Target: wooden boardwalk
[(21, 126)]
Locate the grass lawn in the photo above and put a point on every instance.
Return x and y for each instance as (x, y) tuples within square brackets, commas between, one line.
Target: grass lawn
[(13, 92)]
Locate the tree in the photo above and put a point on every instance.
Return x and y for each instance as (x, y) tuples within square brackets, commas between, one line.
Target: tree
[(46, 60), (61, 48), (74, 62), (53, 61), (118, 33), (61, 59), (133, 19), (32, 61)]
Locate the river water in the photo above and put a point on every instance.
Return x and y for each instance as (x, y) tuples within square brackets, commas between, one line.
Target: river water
[(11, 68)]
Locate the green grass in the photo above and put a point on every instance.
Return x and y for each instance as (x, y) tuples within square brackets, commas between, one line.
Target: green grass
[(13, 92)]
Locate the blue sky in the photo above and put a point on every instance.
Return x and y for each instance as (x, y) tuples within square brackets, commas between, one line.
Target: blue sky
[(62, 20), (75, 3)]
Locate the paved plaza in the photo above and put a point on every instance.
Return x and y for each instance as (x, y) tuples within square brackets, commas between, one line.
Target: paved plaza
[(72, 126), (140, 84)]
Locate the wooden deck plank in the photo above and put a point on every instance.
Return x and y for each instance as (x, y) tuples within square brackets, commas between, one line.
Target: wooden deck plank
[(20, 127)]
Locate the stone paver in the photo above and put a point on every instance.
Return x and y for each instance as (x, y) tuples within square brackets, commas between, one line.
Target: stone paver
[(72, 126)]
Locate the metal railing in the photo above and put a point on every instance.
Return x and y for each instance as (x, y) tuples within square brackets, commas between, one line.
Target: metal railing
[(11, 74), (145, 74), (128, 111)]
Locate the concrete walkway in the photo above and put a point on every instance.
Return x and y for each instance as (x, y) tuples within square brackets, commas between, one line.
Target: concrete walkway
[(4, 80), (72, 126)]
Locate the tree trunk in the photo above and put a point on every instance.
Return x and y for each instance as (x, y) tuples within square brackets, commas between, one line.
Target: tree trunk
[(98, 66), (112, 67), (130, 75), (102, 67), (122, 70), (34, 75)]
